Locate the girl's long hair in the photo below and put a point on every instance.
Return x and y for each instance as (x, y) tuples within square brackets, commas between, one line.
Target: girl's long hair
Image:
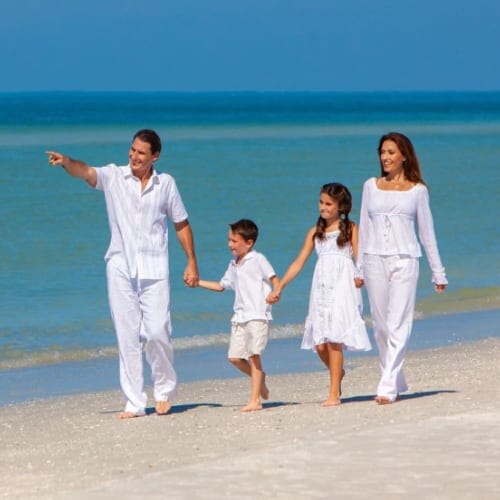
[(340, 194)]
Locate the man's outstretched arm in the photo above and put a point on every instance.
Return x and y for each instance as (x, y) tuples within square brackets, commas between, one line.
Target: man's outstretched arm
[(75, 168)]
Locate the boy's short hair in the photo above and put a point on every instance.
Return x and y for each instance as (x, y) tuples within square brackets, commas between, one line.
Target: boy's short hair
[(246, 228)]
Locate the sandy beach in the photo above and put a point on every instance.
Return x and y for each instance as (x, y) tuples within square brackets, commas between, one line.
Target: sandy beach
[(442, 440)]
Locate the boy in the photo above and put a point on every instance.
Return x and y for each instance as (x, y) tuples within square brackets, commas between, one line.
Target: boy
[(250, 275)]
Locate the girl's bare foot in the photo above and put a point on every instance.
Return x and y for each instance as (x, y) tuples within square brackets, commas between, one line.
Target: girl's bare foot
[(330, 402), (251, 407)]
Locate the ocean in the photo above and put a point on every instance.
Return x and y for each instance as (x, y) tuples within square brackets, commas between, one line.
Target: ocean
[(262, 156)]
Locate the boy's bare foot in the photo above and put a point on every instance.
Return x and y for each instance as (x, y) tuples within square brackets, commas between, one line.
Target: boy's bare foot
[(330, 402), (128, 414), (264, 391), (251, 407), (162, 407)]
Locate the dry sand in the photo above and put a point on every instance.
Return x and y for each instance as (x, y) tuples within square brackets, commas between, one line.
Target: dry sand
[(442, 440)]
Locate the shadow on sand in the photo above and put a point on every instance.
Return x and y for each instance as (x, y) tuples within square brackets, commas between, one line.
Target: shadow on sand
[(276, 404), (184, 408), (403, 397)]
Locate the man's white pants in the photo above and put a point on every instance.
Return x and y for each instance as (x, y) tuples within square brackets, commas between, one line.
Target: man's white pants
[(391, 283), (140, 310)]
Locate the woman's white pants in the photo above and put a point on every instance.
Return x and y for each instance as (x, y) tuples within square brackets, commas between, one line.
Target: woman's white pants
[(391, 283), (140, 310)]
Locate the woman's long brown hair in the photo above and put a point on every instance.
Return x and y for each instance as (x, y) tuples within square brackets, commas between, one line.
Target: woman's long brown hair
[(411, 165)]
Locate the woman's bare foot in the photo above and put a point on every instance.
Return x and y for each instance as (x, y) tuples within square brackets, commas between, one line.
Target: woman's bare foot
[(330, 402), (264, 391), (162, 407), (382, 400), (251, 407)]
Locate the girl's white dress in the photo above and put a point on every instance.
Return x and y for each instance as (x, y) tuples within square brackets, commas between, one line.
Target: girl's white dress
[(335, 304)]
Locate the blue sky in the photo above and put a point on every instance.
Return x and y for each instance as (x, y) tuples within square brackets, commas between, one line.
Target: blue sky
[(282, 45)]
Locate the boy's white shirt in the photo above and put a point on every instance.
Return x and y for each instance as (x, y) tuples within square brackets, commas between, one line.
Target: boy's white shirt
[(251, 281)]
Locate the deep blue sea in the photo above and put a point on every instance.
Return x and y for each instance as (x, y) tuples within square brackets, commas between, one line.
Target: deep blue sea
[(262, 156)]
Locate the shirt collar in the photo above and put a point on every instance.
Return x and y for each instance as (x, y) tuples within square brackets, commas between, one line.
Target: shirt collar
[(248, 256), (128, 174)]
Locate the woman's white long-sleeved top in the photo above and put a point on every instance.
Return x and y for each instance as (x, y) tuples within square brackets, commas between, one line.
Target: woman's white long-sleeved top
[(387, 226)]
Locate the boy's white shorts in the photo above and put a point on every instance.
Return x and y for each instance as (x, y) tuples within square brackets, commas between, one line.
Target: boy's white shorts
[(248, 339)]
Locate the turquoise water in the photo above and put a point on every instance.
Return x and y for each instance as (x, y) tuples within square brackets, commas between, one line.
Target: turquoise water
[(262, 156)]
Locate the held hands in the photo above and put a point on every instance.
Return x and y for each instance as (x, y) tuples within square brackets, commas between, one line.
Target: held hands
[(191, 282), (191, 276), (358, 282), (273, 297)]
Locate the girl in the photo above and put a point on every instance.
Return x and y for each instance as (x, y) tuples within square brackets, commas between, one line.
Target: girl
[(334, 319)]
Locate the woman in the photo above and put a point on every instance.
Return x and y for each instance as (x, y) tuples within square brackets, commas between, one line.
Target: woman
[(389, 252)]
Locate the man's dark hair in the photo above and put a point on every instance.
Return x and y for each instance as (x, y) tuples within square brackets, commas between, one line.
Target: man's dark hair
[(151, 137)]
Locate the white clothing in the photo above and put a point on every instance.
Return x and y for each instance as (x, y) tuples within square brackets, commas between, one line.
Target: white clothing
[(388, 261), (391, 282), (387, 226), (248, 339), (140, 312), (251, 281), (138, 219), (335, 303), (138, 277)]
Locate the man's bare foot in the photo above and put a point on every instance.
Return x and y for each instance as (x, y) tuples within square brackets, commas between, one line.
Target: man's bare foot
[(162, 407), (128, 414), (251, 407), (264, 391), (330, 402)]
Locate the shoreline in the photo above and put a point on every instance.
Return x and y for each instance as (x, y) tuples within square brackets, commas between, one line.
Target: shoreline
[(282, 355), (442, 440), (462, 303)]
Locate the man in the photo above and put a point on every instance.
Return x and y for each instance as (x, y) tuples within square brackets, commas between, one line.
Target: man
[(139, 202)]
